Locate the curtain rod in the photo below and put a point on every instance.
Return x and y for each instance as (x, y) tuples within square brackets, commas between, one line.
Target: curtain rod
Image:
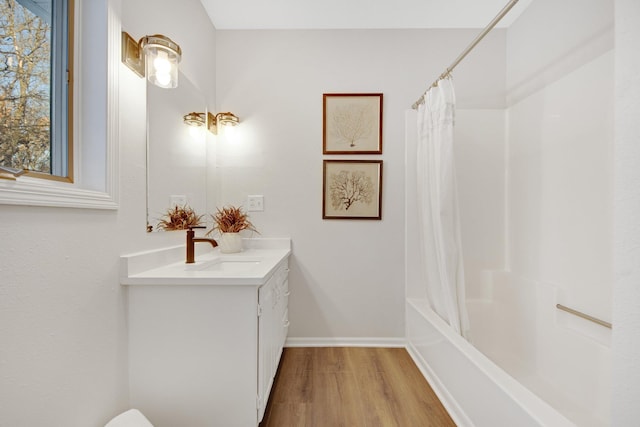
[(469, 48)]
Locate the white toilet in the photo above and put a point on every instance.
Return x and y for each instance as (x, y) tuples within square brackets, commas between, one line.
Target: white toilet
[(131, 418)]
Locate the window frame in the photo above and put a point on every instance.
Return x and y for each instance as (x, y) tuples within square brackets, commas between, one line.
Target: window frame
[(94, 151)]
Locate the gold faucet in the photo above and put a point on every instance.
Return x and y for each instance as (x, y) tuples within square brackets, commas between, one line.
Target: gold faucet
[(191, 241)]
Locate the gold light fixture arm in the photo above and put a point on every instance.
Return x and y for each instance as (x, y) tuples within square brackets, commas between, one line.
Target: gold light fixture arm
[(221, 119), (132, 54)]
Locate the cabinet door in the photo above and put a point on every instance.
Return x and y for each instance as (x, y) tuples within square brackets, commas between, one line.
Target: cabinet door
[(281, 326), (266, 314), (272, 331)]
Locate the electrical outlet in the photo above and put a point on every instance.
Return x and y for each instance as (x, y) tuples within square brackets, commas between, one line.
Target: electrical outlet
[(255, 203), (178, 200)]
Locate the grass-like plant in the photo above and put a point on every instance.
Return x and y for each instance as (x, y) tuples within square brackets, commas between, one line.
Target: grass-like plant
[(179, 218), (231, 219)]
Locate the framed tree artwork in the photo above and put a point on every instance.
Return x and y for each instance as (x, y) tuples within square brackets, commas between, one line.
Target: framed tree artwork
[(352, 123), (352, 189)]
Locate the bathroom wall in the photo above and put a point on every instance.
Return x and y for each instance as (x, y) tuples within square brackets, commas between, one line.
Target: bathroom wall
[(347, 277), (63, 357), (626, 316)]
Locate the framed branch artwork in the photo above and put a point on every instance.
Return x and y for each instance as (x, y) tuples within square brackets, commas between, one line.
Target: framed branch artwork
[(352, 189), (352, 123)]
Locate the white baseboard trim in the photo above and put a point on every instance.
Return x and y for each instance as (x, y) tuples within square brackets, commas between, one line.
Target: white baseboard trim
[(344, 342)]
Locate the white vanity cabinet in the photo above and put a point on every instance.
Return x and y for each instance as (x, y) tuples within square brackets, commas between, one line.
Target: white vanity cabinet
[(273, 323), (206, 355)]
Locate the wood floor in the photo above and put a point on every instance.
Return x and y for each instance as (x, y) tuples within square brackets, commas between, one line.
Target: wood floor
[(352, 387)]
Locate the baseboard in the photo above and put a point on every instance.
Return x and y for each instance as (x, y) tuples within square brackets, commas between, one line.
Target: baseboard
[(456, 413), (344, 342)]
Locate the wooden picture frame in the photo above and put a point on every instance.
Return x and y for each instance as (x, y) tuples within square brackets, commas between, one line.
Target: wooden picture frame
[(352, 189), (352, 123)]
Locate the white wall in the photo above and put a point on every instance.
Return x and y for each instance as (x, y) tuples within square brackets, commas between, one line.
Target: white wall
[(63, 357), (347, 277), (626, 316)]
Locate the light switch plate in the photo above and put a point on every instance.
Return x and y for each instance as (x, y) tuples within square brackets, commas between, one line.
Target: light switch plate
[(255, 203)]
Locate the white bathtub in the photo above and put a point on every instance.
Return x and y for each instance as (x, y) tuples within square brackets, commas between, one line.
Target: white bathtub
[(529, 364), (473, 389)]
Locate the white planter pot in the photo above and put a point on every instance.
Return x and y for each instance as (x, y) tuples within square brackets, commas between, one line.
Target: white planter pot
[(230, 243)]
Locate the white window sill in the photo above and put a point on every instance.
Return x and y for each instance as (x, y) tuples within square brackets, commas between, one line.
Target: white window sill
[(38, 192)]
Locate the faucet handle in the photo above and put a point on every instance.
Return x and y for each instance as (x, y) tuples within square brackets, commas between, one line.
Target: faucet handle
[(191, 227)]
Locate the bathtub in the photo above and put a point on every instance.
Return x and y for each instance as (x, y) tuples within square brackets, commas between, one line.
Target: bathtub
[(530, 364), (474, 390)]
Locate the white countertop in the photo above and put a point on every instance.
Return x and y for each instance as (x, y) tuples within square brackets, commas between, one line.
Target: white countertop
[(253, 266)]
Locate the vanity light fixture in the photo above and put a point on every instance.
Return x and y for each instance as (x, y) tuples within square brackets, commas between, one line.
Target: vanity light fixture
[(194, 119), (221, 119), (211, 121), (155, 56)]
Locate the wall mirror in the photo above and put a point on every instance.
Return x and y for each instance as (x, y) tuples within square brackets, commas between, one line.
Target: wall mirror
[(176, 153)]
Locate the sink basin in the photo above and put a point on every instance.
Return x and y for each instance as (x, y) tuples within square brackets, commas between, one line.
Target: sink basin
[(227, 264)]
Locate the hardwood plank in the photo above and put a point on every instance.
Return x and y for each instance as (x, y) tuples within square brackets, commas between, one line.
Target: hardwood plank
[(344, 386), (331, 359), (418, 404), (336, 400), (363, 358), (295, 360), (293, 388), (378, 401), (289, 415)]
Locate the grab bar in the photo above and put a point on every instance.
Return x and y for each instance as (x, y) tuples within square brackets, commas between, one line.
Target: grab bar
[(584, 316)]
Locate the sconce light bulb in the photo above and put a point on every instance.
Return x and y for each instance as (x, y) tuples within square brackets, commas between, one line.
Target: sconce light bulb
[(163, 79), (195, 132), (161, 63), (229, 131)]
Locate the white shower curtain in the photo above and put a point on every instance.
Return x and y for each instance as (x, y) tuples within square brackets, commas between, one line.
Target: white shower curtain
[(439, 217)]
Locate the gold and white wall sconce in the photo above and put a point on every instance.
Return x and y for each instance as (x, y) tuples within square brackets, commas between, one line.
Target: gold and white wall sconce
[(155, 56), (211, 121)]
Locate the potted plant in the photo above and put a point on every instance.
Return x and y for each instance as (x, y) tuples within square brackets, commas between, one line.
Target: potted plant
[(179, 218), (229, 222)]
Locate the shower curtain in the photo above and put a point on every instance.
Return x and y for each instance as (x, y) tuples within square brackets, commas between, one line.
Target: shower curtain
[(439, 223)]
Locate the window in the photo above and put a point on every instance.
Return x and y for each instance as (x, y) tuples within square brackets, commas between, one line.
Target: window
[(96, 116), (35, 91)]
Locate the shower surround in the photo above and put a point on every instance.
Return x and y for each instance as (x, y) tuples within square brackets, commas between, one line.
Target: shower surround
[(535, 181)]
